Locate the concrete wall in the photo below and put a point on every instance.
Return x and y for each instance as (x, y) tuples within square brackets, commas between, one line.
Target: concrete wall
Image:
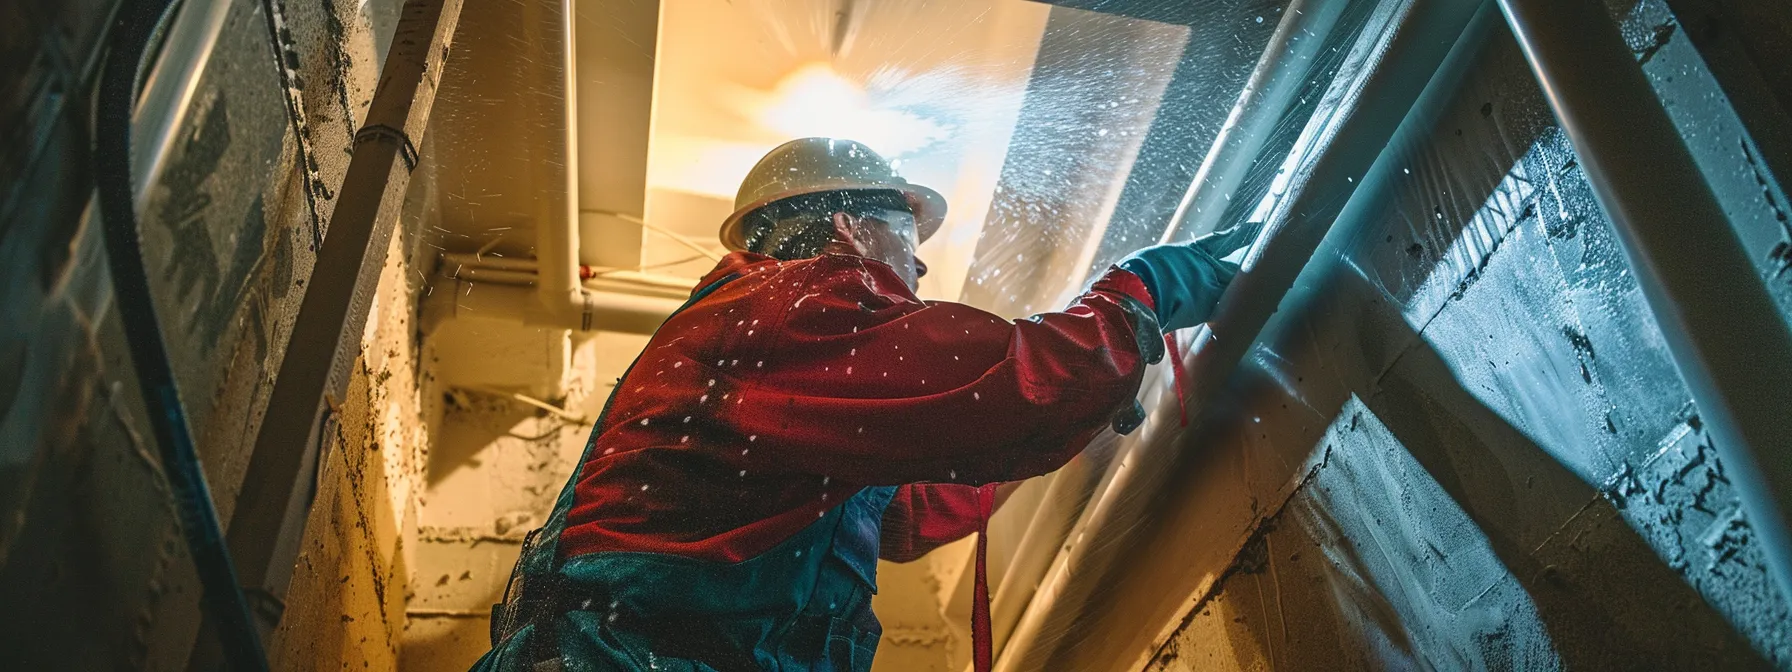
[(89, 538), (1464, 444), (494, 469)]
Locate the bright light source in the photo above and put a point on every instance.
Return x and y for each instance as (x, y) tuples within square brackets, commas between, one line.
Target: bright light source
[(816, 101)]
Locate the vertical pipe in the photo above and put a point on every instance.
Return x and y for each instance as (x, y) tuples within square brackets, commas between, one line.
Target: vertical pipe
[(1723, 330), (557, 229)]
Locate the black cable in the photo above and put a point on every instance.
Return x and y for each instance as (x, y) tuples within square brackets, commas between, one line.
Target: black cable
[(135, 23)]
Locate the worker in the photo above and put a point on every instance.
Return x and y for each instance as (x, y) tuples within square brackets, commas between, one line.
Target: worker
[(804, 414)]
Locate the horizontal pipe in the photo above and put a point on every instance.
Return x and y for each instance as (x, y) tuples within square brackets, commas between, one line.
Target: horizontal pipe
[(608, 311), (477, 268), (1721, 326)]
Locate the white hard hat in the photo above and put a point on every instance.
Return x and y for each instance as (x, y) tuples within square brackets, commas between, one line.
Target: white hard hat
[(815, 165)]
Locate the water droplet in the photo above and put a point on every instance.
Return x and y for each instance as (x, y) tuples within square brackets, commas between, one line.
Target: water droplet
[(677, 364), (702, 399), (977, 396), (743, 473), (643, 487), (643, 422), (953, 473), (687, 419), (712, 382), (752, 438)]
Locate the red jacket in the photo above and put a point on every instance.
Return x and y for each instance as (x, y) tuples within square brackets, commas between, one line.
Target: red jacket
[(796, 384)]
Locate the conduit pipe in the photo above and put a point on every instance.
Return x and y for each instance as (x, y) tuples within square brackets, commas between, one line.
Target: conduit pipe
[(610, 311), (523, 271), (557, 235), (1423, 33), (1721, 326), (272, 506), (496, 287), (1271, 90)]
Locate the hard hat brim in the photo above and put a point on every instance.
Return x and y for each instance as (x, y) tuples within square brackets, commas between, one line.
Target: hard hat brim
[(928, 205)]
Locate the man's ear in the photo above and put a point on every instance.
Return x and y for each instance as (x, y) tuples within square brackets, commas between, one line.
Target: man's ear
[(846, 233)]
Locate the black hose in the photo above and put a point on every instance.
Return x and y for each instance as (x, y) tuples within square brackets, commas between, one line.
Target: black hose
[(136, 22)]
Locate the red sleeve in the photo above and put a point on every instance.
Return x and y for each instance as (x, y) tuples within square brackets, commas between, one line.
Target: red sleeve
[(926, 516), (844, 374)]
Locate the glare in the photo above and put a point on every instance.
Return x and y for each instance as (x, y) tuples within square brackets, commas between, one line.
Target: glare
[(814, 100)]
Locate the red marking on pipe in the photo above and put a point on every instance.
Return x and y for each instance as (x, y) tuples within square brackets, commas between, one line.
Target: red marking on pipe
[(1177, 374)]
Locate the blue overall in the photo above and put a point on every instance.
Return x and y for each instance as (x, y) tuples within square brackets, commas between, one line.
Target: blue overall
[(804, 605)]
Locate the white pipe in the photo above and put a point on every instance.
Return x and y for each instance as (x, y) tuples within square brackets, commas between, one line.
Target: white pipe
[(557, 236), (456, 264), (610, 311), (523, 271)]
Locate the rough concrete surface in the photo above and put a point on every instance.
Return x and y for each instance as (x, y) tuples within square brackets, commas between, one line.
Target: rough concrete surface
[(1524, 483)]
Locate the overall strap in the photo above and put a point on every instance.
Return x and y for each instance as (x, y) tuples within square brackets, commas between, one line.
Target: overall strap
[(538, 563)]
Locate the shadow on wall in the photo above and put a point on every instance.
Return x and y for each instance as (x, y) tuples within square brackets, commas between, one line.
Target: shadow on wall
[(1413, 543)]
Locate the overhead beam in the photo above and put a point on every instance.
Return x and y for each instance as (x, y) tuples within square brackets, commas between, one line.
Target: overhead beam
[(275, 498)]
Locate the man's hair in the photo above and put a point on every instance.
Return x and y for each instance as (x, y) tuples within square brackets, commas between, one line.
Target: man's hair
[(800, 226)]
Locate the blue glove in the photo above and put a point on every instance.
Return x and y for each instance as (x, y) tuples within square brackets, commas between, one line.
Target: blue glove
[(1185, 279)]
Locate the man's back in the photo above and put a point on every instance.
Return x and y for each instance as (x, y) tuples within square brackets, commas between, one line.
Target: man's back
[(795, 421), (792, 385)]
